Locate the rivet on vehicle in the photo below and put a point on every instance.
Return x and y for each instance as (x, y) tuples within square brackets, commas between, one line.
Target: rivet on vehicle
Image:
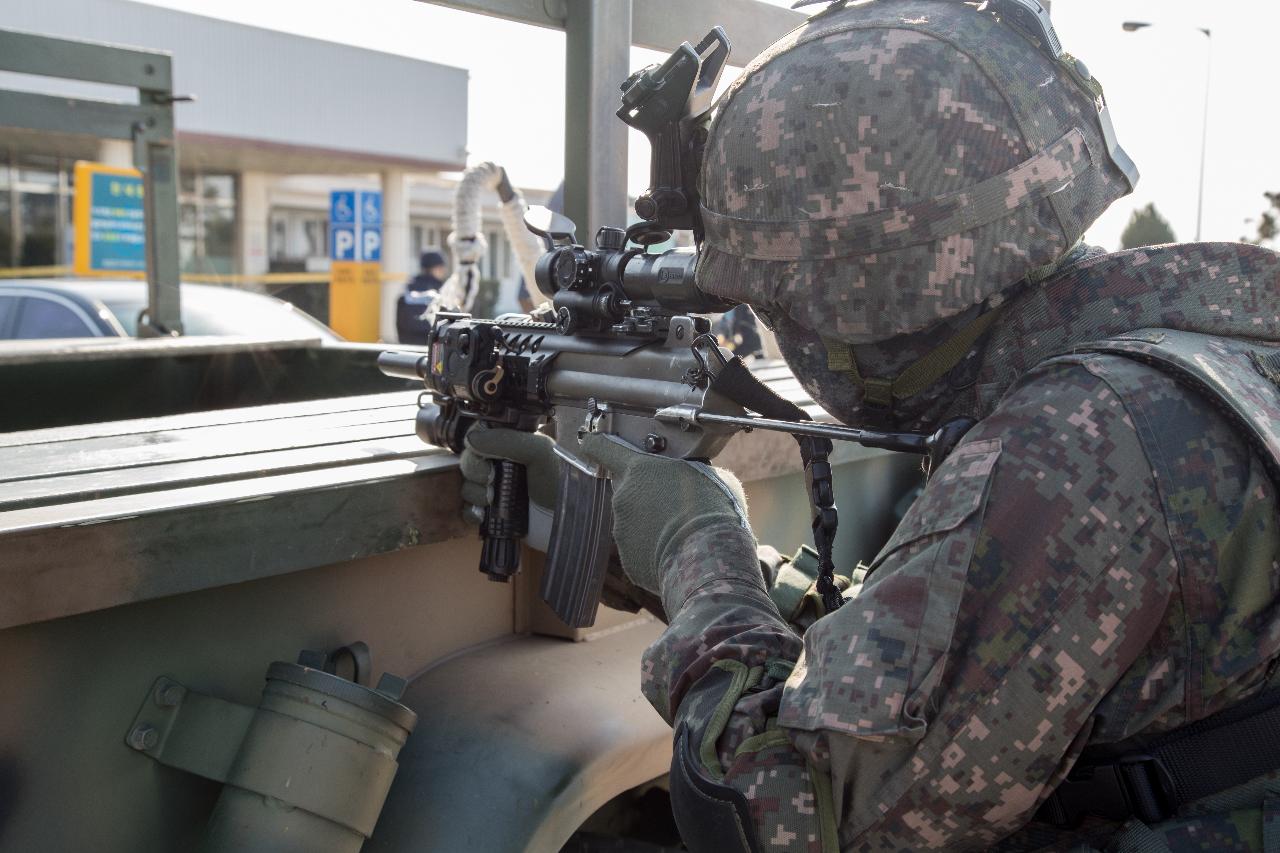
[(143, 737), (168, 694)]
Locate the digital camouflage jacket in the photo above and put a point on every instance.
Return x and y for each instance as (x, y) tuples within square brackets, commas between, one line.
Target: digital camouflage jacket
[(1098, 559)]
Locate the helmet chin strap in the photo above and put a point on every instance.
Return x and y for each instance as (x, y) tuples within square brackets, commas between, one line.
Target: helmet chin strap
[(881, 393)]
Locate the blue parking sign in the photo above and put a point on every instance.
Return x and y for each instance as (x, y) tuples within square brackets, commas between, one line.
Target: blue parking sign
[(371, 243), (342, 207), (355, 225), (370, 207), (343, 244)]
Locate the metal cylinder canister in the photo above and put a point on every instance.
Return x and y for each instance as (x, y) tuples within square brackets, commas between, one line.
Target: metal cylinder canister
[(314, 768)]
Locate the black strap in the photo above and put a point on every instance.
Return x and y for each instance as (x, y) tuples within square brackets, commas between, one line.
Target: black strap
[(736, 382), (1155, 780)]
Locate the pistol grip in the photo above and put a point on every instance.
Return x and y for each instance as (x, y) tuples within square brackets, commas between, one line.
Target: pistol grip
[(506, 521), (581, 541)]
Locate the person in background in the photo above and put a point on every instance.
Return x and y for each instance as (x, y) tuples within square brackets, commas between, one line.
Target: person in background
[(739, 330), (418, 294)]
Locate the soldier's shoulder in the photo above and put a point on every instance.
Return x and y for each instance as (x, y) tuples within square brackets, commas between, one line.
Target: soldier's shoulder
[(1074, 392), (1054, 391), (1175, 260)]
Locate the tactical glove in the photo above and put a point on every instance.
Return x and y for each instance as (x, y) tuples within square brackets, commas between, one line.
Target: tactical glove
[(534, 451), (657, 502)]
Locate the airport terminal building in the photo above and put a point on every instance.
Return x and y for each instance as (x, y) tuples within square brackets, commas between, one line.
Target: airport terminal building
[(277, 122)]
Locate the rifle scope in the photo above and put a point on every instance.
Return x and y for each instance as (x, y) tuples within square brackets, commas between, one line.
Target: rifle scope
[(596, 289)]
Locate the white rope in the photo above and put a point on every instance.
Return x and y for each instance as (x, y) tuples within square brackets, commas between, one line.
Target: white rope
[(468, 243), (528, 248)]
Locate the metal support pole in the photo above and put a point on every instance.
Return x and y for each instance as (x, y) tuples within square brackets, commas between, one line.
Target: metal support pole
[(156, 158), (598, 45), (660, 25)]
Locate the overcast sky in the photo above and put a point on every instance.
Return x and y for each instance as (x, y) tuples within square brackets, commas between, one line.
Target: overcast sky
[(1155, 81)]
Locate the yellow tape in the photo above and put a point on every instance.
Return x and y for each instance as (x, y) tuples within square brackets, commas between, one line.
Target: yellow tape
[(213, 278), (34, 272), (270, 278)]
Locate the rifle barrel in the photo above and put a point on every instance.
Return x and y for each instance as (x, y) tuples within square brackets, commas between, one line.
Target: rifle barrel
[(403, 365)]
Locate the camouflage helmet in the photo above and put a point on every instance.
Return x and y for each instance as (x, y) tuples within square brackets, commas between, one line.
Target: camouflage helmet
[(892, 164)]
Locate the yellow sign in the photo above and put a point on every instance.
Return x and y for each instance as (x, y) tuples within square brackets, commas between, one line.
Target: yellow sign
[(109, 219), (355, 299)]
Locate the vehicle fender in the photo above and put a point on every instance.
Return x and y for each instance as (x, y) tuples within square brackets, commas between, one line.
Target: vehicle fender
[(520, 742)]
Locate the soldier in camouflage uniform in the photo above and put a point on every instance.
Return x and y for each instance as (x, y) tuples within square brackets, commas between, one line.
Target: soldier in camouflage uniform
[(899, 188)]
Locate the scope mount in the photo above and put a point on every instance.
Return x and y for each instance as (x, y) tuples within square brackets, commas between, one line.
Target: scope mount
[(669, 103)]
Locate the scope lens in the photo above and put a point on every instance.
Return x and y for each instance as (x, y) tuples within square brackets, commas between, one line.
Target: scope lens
[(565, 269)]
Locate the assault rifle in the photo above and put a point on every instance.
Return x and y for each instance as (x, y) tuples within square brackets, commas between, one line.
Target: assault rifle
[(625, 352)]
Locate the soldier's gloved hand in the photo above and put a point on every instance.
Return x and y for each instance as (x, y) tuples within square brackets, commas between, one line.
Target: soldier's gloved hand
[(657, 502), (534, 451)]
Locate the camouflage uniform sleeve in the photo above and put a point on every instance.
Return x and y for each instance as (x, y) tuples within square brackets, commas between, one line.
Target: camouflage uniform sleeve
[(717, 674), (948, 697), (714, 591)]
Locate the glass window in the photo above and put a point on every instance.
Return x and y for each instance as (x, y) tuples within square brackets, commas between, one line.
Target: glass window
[(8, 305), (38, 171), (219, 239), (127, 306), (316, 243), (6, 228), (218, 188), (188, 237), (68, 229), (207, 222), (39, 239), (417, 237), (44, 318), (298, 235), (278, 237)]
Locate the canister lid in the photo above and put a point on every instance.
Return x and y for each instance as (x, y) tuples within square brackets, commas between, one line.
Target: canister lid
[(347, 691)]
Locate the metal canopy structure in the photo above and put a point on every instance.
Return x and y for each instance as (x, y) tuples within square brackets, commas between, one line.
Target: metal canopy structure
[(148, 124), (657, 24), (599, 36)]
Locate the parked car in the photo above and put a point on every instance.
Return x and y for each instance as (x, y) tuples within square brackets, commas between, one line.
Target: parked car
[(88, 308)]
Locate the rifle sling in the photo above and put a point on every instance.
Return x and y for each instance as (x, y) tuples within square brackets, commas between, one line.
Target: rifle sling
[(736, 382)]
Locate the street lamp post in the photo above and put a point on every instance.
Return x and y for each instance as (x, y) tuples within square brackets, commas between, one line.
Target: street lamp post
[(1133, 27)]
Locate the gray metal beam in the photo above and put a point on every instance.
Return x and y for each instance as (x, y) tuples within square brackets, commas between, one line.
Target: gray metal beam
[(78, 60), (752, 26), (55, 114), (598, 59), (660, 24), (539, 13)]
